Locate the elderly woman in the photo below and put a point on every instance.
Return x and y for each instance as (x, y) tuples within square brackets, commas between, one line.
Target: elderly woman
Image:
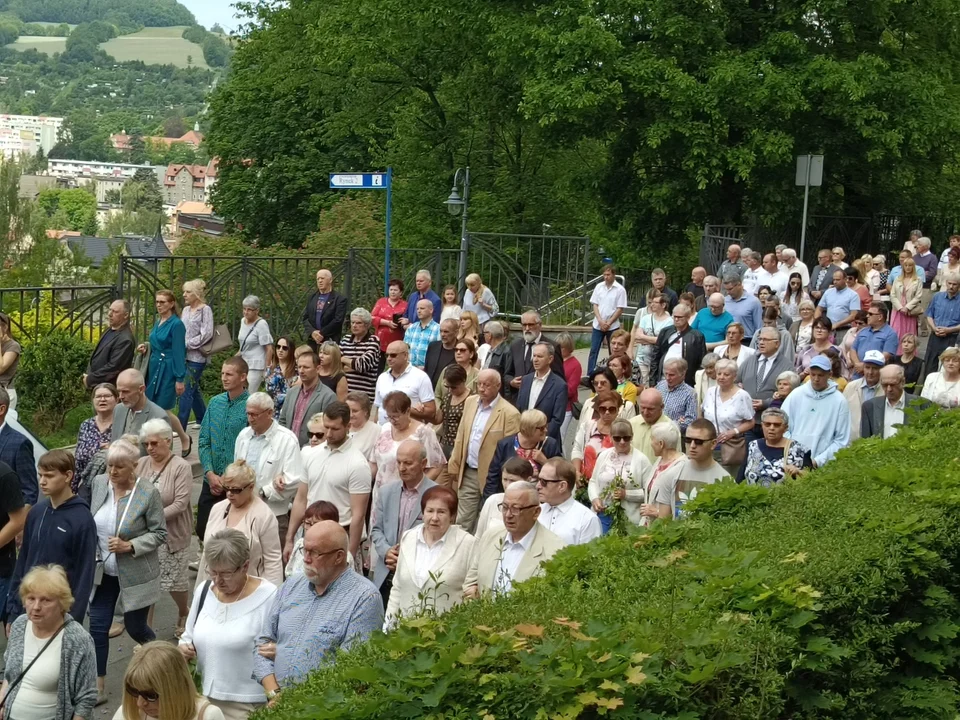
[(256, 342), (879, 265), (514, 469), (131, 528), (531, 443), (387, 313), (620, 475), (619, 340), (730, 408), (158, 684), (330, 369), (10, 352), (822, 327), (572, 372), (450, 407), (661, 489), (197, 318), (363, 431), (360, 354), (943, 387), (787, 382), (802, 328), (771, 458), (433, 561), (283, 375), (594, 436), (245, 511), (95, 436), (837, 256), (400, 427), (316, 432), (734, 349), (479, 299), (604, 379), (173, 478), (61, 683), (706, 377), (225, 619)]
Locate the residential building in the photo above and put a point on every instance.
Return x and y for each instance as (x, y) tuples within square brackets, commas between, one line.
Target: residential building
[(35, 131), (184, 183), (91, 169)]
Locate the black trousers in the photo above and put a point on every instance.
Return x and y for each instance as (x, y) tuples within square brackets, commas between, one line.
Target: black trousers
[(204, 503)]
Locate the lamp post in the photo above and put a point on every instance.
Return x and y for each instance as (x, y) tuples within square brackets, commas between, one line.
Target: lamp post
[(455, 205)]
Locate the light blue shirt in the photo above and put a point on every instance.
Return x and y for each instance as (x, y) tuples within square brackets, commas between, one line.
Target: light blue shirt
[(839, 305), (747, 312), (309, 628), (944, 310)]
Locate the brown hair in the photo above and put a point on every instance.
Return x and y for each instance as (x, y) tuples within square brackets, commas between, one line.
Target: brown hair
[(439, 492)]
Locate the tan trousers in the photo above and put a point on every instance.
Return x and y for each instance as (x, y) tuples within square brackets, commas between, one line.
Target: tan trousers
[(235, 710), (468, 509)]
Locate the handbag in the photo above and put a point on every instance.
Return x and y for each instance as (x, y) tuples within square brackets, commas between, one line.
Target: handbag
[(576, 408), (734, 450), (27, 669), (220, 340)]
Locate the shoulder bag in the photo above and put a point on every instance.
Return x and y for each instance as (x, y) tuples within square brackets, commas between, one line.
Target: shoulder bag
[(243, 343), (36, 657), (734, 450), (218, 342)]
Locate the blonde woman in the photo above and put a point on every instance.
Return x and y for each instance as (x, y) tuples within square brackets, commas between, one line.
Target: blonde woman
[(158, 684), (197, 318), (469, 327), (479, 299), (331, 369), (837, 255), (906, 298), (943, 387)]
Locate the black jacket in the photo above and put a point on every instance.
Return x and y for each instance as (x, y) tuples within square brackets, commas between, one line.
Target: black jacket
[(113, 355), (506, 449), (438, 357), (693, 348), (516, 367), (497, 359), (821, 281), (331, 321)]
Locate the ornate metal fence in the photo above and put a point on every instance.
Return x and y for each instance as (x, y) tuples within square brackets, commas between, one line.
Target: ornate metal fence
[(79, 310)]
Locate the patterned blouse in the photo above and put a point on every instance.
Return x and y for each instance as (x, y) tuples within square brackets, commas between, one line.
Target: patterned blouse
[(277, 386), (764, 464), (89, 440), (447, 434)]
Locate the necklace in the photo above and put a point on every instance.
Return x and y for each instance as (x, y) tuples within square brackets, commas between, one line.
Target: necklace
[(237, 596)]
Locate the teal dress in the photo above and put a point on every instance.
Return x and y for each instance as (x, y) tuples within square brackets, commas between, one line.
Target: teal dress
[(168, 354)]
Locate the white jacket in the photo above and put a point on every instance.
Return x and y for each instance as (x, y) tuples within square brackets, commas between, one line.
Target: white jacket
[(280, 456), (638, 475)]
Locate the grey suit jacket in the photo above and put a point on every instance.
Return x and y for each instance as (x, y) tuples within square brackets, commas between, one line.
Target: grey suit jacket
[(872, 413), (322, 396), (763, 391), (385, 532)]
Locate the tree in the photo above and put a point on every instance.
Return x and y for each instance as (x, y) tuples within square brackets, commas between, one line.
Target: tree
[(189, 61), (217, 29), (174, 127), (141, 193), (74, 209)]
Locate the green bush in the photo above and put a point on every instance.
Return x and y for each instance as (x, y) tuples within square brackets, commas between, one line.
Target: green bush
[(48, 380), (832, 596)]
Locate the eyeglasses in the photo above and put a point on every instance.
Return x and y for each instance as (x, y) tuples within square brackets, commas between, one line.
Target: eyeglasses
[(513, 510), (320, 435), (697, 442), (392, 355), (772, 425), (528, 326), (461, 349), (607, 409), (148, 695), (102, 397), (543, 481), (318, 554), (253, 414), (622, 438), (228, 575), (235, 490)]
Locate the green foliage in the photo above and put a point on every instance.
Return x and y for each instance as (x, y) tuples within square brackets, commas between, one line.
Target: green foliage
[(74, 209), (162, 13), (48, 379), (831, 596)]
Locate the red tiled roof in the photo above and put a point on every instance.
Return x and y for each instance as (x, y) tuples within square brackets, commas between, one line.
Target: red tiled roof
[(197, 172)]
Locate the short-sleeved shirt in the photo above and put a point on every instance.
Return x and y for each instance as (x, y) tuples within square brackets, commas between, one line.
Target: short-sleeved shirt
[(885, 340), (336, 474), (944, 310), (11, 500), (418, 339), (412, 381), (747, 312), (838, 304), (713, 327), (253, 341), (6, 379), (608, 300)]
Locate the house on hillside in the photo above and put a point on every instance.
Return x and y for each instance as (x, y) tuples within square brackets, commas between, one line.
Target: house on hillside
[(184, 183), (196, 217), (122, 142), (97, 249)]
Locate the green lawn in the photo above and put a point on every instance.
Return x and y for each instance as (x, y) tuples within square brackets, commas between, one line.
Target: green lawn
[(44, 44)]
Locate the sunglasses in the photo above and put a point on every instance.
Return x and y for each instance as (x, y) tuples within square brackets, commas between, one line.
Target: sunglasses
[(147, 695), (697, 442), (392, 355), (319, 435), (283, 347), (234, 490), (622, 438), (607, 409)]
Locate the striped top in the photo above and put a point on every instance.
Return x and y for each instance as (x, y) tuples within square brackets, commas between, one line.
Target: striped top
[(365, 355)]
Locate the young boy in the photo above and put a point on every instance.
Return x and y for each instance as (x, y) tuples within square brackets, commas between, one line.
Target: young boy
[(59, 530)]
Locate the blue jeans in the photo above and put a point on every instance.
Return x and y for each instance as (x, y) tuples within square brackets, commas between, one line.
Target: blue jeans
[(606, 522), (101, 617), (192, 398), (596, 341)]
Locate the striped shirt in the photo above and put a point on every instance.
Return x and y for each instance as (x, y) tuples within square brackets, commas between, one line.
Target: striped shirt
[(365, 355), (309, 628), (223, 421)]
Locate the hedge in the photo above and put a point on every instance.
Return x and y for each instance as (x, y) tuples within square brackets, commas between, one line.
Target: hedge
[(832, 596)]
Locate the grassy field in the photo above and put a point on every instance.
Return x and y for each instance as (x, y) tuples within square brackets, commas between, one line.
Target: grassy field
[(47, 23), (157, 45)]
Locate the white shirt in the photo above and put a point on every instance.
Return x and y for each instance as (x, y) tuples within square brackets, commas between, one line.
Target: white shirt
[(37, 696), (253, 340), (414, 382), (490, 516), (742, 356), (570, 521), (476, 433), (106, 522), (675, 350), (608, 300), (536, 387), (892, 415), (751, 281), (427, 557), (798, 267), (727, 414), (510, 559), (365, 439), (775, 281), (279, 454), (334, 474)]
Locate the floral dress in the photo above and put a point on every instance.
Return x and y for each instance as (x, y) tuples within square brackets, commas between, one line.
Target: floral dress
[(764, 464), (277, 386), (89, 440), (447, 434)]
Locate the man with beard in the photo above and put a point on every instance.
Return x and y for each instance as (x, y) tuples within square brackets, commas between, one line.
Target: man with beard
[(520, 360)]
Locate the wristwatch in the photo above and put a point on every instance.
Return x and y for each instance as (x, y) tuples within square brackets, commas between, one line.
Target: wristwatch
[(271, 694)]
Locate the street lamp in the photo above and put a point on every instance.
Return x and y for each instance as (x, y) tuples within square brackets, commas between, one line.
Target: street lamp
[(455, 205)]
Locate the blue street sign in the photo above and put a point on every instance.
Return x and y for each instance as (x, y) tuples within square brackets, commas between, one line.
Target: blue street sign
[(371, 181)]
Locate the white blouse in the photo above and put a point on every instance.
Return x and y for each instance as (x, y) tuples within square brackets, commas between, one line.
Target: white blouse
[(727, 414), (943, 393), (745, 352), (365, 439)]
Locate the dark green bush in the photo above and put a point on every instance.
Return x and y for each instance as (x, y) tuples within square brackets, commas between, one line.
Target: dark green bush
[(48, 380), (833, 596)]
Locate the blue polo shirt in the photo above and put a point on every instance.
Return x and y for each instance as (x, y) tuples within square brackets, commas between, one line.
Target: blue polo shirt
[(713, 327), (747, 312), (885, 340), (839, 305), (944, 310), (415, 297)]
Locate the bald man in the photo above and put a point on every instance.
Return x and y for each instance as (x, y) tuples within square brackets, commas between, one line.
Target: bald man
[(325, 312), (713, 321), (695, 286), (650, 403), (134, 409), (327, 608), (114, 351), (487, 419)]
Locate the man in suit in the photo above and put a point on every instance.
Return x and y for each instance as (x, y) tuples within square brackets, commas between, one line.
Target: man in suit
[(325, 311), (114, 351), (821, 279), (306, 399), (758, 374), (544, 390), (504, 557), (487, 419), (440, 352), (881, 415), (859, 391), (681, 340), (499, 354), (397, 510), (520, 360)]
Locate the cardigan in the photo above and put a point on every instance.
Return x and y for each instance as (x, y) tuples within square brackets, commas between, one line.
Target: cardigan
[(77, 686), (259, 525), (175, 485)]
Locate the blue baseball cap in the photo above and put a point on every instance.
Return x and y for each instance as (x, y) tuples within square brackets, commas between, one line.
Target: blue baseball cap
[(822, 362)]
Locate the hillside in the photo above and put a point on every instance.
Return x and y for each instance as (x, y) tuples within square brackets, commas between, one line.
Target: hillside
[(157, 13)]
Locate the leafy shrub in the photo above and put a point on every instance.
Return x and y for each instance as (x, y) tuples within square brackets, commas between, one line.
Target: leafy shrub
[(832, 596), (48, 380)]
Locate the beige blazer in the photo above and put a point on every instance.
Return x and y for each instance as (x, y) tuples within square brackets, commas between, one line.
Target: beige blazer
[(853, 392), (504, 421), (436, 594), (259, 524), (486, 557), (914, 296)]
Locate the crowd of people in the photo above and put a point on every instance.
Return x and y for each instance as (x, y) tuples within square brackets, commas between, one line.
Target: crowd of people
[(411, 457)]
